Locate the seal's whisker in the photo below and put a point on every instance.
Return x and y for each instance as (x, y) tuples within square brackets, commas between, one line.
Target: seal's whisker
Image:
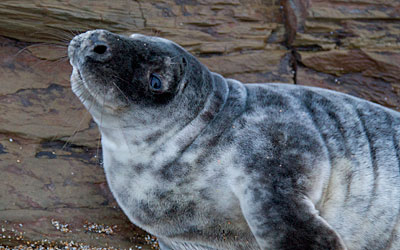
[(75, 32), (118, 88), (172, 58), (40, 62), (60, 60), (40, 44), (83, 96), (127, 99), (101, 122), (105, 80), (71, 137), (26, 48), (125, 137), (64, 35), (119, 78), (60, 39)]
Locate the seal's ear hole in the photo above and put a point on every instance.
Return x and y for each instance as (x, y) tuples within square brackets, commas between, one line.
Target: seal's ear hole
[(182, 66), (184, 62)]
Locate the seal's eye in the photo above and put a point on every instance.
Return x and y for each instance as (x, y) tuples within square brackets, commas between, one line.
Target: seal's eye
[(155, 82)]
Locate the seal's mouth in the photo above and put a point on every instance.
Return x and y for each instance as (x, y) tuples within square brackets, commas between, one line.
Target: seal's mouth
[(80, 79)]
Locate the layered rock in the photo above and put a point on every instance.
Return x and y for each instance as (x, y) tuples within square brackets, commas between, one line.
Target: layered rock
[(52, 185), (352, 46)]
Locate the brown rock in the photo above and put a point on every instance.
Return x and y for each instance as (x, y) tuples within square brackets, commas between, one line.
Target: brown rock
[(347, 46), (259, 66), (370, 74), (93, 227), (352, 24), (50, 191), (37, 100), (375, 90), (202, 21)]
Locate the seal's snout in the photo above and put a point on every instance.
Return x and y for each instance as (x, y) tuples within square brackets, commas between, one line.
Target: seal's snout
[(127, 69), (93, 45), (97, 47)]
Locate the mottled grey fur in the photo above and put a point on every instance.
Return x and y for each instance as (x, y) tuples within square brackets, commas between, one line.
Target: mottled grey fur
[(211, 163)]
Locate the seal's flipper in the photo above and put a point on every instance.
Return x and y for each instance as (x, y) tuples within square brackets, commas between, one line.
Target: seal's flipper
[(289, 223)]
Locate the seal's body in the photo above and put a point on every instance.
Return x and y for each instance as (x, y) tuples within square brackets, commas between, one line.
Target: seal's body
[(205, 162)]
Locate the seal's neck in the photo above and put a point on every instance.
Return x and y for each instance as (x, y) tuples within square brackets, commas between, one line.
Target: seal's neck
[(160, 144), (188, 134)]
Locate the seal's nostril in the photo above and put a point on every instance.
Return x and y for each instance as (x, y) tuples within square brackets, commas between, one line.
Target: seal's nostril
[(100, 49)]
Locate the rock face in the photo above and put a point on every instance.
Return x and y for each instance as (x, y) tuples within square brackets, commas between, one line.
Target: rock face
[(349, 46), (51, 172)]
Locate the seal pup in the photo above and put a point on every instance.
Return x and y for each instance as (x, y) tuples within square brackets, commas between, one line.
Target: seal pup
[(203, 162)]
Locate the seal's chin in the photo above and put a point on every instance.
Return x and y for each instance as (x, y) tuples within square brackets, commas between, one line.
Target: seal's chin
[(77, 84)]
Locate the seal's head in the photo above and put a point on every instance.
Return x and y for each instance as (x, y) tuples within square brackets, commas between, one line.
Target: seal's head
[(113, 74)]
